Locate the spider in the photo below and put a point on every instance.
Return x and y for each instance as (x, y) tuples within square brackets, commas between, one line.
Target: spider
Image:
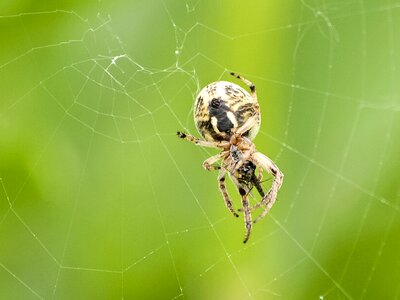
[(228, 118)]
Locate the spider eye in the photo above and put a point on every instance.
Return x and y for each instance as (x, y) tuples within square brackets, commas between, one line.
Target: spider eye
[(215, 103)]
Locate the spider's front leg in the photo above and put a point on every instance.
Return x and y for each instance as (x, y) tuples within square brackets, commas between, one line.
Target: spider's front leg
[(247, 215), (269, 199), (200, 142), (248, 83)]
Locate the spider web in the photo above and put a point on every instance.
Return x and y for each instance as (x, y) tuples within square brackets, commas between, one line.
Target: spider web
[(99, 199)]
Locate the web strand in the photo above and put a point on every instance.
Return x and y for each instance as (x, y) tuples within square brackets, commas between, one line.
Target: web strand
[(104, 93)]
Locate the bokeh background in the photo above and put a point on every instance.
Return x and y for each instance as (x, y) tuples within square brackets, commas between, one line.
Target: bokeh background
[(100, 200)]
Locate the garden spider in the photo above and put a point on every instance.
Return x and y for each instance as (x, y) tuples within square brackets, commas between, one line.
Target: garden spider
[(228, 118)]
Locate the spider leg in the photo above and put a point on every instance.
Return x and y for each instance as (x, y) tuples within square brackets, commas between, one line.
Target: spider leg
[(224, 192), (269, 199), (256, 117), (260, 175), (248, 83), (247, 215), (208, 163), (251, 121), (200, 142)]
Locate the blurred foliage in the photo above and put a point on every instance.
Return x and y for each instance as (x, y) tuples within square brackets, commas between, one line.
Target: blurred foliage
[(100, 200)]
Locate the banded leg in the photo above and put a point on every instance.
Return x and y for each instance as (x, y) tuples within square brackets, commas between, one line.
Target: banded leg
[(269, 199), (247, 215), (224, 192), (256, 117), (265, 198), (248, 83), (208, 164), (200, 142)]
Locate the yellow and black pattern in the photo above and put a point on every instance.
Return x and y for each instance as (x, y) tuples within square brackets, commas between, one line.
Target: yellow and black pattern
[(222, 106)]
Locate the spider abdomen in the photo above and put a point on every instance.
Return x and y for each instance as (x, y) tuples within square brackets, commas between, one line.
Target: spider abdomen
[(222, 106)]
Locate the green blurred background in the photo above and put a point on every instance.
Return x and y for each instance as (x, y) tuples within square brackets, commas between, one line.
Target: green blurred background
[(100, 200)]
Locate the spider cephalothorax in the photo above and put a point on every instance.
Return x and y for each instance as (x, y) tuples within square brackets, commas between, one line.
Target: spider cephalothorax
[(228, 118)]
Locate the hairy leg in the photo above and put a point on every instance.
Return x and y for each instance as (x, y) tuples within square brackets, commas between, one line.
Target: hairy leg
[(224, 192), (247, 215), (269, 199), (248, 83), (199, 142), (208, 164)]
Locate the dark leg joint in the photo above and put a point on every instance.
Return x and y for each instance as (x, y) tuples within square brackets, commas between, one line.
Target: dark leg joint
[(235, 75), (181, 135)]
